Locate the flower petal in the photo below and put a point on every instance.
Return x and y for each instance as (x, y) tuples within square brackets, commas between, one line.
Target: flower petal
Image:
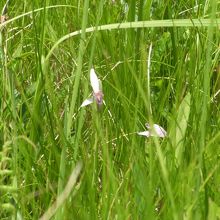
[(157, 130), (99, 98), (144, 133), (87, 102), (94, 81)]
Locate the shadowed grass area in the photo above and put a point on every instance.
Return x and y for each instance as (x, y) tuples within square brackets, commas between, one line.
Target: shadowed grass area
[(158, 63)]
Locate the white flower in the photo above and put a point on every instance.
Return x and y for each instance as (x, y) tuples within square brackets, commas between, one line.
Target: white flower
[(156, 131), (94, 81), (97, 90)]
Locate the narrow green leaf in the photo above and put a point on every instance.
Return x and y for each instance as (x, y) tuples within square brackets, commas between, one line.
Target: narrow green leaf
[(180, 126), (214, 210)]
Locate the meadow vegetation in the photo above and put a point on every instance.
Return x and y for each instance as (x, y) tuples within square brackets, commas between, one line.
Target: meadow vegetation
[(159, 64)]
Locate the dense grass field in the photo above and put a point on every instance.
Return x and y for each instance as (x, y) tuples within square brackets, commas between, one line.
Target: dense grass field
[(159, 63)]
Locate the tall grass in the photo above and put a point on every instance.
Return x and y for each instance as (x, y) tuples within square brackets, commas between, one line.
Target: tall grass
[(158, 62)]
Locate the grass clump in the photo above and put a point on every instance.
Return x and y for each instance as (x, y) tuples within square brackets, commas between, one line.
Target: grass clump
[(158, 63)]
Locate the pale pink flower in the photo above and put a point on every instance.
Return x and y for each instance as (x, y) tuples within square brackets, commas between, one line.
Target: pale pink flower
[(97, 90), (156, 131)]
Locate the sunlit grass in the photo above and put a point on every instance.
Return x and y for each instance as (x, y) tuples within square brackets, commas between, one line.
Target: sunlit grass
[(158, 63)]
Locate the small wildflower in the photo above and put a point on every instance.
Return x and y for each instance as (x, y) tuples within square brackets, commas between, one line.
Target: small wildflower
[(156, 131), (97, 90)]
